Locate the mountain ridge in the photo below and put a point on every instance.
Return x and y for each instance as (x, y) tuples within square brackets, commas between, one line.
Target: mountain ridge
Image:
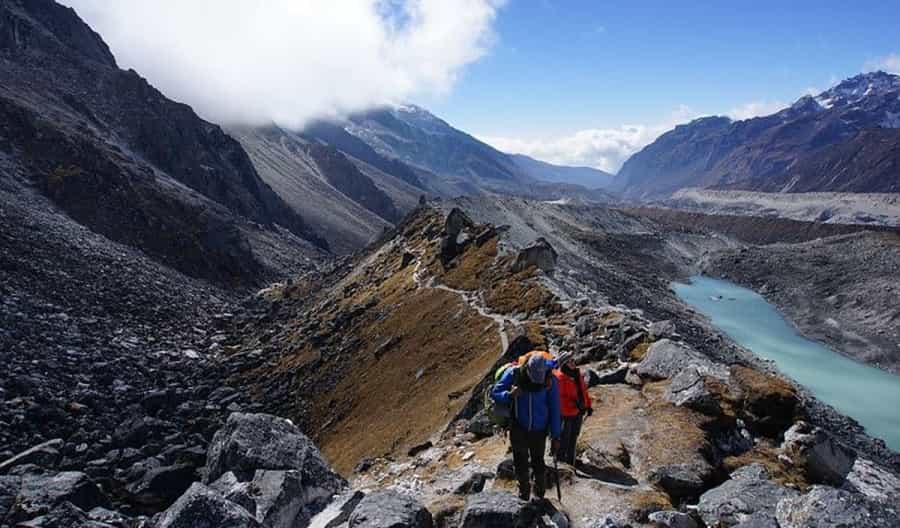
[(843, 140)]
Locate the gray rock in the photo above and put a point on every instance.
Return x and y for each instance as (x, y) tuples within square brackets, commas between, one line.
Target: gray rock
[(605, 377), (237, 492), (389, 509), (758, 520), (109, 517), (46, 455), (748, 492), (40, 493), (609, 522), (65, 515), (160, 486), (250, 442), (202, 507), (285, 499), (689, 389), (813, 449), (666, 358), (480, 425), (681, 480), (493, 509), (661, 329), (826, 507), (540, 254), (672, 519), (873, 481), (337, 513)]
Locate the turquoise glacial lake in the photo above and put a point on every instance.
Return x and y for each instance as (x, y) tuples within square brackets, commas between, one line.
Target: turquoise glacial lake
[(869, 395)]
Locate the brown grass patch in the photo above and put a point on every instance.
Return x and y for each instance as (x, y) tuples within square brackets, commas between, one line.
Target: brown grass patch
[(640, 352), (768, 457), (389, 404), (473, 268)]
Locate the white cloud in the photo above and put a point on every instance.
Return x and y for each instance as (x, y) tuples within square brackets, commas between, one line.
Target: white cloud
[(292, 60), (602, 148), (756, 109), (889, 63)]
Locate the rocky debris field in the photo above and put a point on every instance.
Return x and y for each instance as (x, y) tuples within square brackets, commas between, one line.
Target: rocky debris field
[(111, 362), (135, 401)]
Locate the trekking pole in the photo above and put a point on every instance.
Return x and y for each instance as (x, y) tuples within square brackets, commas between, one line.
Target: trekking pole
[(558, 489)]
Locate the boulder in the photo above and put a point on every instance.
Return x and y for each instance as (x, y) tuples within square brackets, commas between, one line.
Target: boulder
[(672, 519), (237, 492), (42, 492), (160, 486), (202, 507), (540, 254), (65, 515), (338, 511), (605, 377), (872, 480), (490, 509), (814, 450), (250, 442), (748, 492), (138, 431), (690, 389), (389, 509), (826, 507), (45, 455), (283, 499), (661, 330), (666, 358), (481, 425), (681, 481), (112, 518)]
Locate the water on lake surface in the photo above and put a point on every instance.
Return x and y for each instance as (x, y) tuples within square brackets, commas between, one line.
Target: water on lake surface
[(869, 395)]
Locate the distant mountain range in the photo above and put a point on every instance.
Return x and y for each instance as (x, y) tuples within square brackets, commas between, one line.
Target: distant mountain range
[(845, 139)]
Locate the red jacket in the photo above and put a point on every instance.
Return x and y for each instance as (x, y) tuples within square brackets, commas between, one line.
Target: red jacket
[(568, 393)]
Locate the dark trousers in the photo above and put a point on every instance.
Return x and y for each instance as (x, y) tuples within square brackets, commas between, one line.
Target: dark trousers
[(528, 451), (571, 428)]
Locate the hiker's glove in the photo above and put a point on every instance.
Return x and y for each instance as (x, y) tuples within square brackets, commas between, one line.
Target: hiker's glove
[(590, 411)]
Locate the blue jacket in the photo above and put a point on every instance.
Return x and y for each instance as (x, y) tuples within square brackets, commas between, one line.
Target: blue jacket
[(534, 411)]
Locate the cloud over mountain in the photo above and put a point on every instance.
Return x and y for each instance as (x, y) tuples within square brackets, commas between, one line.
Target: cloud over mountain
[(602, 148), (289, 61)]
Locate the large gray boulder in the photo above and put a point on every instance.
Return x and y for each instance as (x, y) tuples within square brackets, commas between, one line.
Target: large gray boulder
[(682, 481), (160, 486), (873, 481), (493, 509), (748, 492), (202, 507), (667, 358), (540, 254), (689, 389), (813, 449), (251, 442), (40, 493), (284, 499), (826, 507), (389, 509)]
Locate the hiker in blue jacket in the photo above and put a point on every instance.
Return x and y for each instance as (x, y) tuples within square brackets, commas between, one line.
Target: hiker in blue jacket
[(533, 395)]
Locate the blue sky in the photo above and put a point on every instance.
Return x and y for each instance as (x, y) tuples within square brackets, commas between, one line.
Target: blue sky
[(558, 67)]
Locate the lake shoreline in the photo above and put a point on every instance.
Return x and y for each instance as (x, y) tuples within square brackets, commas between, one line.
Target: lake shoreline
[(851, 387)]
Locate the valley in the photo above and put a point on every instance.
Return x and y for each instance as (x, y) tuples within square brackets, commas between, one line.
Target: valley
[(257, 325)]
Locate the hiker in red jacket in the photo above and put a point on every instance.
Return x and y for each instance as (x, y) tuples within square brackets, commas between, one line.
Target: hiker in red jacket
[(575, 403)]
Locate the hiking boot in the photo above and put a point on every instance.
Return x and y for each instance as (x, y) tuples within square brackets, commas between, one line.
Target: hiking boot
[(524, 495)]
